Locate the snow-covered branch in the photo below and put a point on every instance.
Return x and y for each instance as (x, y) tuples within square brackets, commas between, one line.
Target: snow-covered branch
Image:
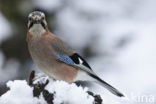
[(42, 90)]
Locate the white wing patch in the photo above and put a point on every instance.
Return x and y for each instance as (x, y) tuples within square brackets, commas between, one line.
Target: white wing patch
[(80, 61)]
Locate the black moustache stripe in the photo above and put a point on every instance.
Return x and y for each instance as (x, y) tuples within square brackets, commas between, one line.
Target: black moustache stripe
[(43, 25), (32, 23)]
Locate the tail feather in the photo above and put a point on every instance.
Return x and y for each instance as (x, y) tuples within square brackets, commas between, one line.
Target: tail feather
[(107, 86)]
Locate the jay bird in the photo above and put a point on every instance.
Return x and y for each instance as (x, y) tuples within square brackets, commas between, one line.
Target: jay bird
[(55, 57)]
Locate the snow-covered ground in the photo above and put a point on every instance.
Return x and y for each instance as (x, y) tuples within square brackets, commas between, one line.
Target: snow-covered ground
[(20, 93)]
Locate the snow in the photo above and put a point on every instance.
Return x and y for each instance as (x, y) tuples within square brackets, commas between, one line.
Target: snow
[(21, 93), (40, 78), (69, 93)]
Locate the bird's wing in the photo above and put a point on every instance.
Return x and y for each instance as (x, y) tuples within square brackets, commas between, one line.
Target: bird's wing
[(67, 55)]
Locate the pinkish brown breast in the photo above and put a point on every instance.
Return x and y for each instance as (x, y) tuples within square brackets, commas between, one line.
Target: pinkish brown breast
[(44, 57)]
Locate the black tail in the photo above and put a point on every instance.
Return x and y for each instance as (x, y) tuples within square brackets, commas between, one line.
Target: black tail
[(107, 86)]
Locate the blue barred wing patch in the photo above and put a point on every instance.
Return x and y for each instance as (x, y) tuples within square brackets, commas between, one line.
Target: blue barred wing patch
[(65, 59)]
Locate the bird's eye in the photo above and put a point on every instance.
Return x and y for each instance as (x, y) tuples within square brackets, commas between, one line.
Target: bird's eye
[(29, 18), (43, 18)]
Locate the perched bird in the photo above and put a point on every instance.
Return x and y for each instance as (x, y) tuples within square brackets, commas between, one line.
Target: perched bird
[(55, 57)]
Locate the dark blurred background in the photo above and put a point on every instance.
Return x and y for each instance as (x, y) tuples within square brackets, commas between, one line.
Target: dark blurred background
[(117, 37)]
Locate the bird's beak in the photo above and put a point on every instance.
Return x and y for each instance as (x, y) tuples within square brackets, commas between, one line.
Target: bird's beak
[(36, 21)]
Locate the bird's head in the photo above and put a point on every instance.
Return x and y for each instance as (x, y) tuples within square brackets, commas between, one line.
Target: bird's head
[(36, 23)]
